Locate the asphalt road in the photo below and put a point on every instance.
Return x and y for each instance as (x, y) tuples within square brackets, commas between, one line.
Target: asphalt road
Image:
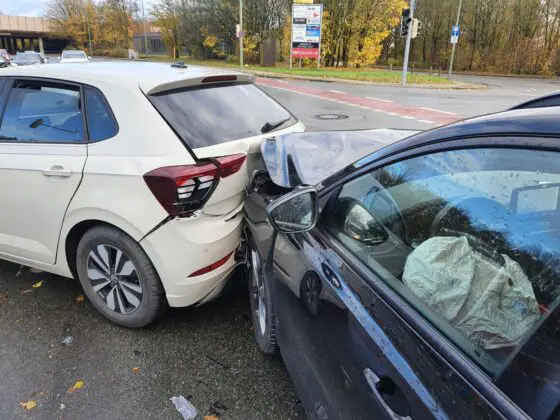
[(206, 354)]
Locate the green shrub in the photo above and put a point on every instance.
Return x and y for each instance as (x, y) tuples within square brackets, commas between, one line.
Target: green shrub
[(114, 52)]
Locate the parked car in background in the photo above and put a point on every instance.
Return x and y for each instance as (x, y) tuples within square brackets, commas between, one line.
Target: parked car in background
[(420, 281), (4, 56), (27, 58), (74, 56), (130, 177), (42, 57)]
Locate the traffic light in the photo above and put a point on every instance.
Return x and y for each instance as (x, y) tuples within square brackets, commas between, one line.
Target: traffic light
[(415, 28), (405, 22)]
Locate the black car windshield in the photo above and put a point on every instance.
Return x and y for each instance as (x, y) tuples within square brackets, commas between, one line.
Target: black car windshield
[(214, 114)]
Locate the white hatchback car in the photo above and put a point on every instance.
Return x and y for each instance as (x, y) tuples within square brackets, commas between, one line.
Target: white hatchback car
[(74, 56), (131, 177)]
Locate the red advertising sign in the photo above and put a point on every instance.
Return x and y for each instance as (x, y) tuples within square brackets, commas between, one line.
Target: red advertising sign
[(305, 52)]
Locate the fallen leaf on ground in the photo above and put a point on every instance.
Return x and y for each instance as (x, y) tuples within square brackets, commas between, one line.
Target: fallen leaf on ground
[(28, 405), (80, 298), (76, 386), (136, 369), (26, 291), (38, 284), (210, 418)]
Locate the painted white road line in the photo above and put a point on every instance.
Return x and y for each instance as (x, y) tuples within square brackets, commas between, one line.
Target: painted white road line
[(408, 117), (426, 121), (437, 110), (378, 99), (338, 91), (393, 113)]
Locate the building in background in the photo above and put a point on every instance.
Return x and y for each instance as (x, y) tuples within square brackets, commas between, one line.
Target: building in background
[(153, 35), (22, 33)]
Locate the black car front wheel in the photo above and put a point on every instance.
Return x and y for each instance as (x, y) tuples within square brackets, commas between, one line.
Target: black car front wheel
[(262, 306)]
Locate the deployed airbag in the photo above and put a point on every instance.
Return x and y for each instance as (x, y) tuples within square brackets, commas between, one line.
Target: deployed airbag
[(492, 304)]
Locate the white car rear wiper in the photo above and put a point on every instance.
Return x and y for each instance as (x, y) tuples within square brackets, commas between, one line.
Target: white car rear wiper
[(269, 126)]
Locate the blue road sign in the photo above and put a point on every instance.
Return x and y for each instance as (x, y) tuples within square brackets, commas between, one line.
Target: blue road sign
[(455, 34)]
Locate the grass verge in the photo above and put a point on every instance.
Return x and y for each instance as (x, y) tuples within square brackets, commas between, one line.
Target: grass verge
[(369, 75)]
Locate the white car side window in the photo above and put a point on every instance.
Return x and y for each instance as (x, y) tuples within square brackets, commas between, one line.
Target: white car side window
[(42, 112)]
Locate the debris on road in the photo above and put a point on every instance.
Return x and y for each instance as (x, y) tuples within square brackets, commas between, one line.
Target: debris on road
[(184, 407), (210, 418), (26, 291), (35, 270), (67, 340), (29, 405), (136, 369), (19, 271), (3, 298), (76, 386), (80, 298), (38, 284), (218, 408)]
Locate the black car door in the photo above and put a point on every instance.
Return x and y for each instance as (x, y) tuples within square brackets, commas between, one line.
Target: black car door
[(420, 284)]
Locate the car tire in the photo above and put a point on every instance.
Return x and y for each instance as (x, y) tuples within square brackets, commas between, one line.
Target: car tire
[(261, 302), (118, 277)]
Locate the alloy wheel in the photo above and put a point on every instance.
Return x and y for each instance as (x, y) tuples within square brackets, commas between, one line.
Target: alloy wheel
[(258, 291), (114, 279), (311, 293)]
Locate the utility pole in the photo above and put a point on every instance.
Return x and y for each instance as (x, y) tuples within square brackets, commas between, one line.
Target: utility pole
[(454, 44), (145, 36), (407, 46), (241, 34)]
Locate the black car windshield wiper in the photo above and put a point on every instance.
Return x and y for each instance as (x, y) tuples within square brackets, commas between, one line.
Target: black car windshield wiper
[(269, 126)]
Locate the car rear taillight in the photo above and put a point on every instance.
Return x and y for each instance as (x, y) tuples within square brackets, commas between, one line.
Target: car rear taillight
[(184, 189)]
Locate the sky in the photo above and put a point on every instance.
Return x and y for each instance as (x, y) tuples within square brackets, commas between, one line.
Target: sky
[(36, 7)]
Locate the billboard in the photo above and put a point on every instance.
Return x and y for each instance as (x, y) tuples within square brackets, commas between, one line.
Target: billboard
[(306, 30)]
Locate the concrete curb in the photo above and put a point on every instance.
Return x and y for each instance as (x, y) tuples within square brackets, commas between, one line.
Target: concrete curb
[(284, 76)]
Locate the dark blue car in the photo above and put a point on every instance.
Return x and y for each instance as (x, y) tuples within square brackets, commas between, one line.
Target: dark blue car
[(417, 278)]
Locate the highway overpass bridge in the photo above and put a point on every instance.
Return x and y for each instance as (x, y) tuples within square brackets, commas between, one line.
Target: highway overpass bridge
[(21, 33)]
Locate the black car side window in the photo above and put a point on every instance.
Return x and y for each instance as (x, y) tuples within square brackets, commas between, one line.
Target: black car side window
[(101, 122), (41, 111), (471, 238)]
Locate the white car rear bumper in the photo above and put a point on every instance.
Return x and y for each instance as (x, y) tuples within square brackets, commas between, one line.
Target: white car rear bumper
[(187, 245)]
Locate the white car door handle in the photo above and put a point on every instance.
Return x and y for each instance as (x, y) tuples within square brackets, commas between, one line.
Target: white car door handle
[(58, 172)]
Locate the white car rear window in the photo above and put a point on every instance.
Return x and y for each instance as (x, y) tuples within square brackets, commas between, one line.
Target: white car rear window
[(213, 114)]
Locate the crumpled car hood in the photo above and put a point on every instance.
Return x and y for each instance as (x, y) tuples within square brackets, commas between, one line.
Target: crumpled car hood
[(308, 158)]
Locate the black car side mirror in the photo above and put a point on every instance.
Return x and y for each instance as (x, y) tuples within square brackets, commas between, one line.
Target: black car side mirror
[(294, 212)]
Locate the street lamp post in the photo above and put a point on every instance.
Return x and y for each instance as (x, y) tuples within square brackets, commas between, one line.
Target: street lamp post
[(454, 44), (241, 34), (88, 31), (145, 36)]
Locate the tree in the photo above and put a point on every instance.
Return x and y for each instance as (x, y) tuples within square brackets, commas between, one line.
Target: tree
[(167, 18)]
